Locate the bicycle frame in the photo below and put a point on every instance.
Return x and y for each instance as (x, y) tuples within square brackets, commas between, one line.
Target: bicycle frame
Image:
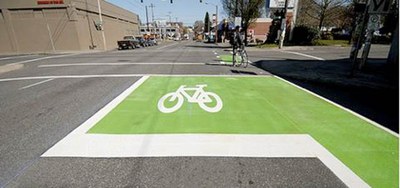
[(198, 96), (239, 52)]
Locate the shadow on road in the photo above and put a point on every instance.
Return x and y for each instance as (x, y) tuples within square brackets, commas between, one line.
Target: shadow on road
[(373, 92), (243, 72)]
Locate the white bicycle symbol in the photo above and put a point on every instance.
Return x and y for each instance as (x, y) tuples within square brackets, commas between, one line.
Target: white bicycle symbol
[(200, 96)]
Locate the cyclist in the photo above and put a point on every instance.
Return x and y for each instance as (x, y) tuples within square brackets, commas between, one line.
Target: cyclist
[(237, 39), (237, 42)]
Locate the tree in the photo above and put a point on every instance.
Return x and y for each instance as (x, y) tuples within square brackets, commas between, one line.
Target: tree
[(322, 12), (207, 23), (198, 26), (249, 10)]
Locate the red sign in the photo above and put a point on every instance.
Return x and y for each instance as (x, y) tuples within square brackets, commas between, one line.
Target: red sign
[(50, 2)]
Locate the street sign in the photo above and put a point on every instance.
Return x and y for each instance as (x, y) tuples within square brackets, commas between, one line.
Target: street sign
[(373, 22), (238, 21), (379, 6)]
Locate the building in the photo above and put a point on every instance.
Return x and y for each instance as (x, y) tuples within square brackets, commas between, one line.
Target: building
[(163, 29), (32, 26), (260, 28)]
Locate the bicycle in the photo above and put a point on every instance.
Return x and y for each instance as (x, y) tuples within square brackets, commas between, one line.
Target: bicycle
[(239, 57)]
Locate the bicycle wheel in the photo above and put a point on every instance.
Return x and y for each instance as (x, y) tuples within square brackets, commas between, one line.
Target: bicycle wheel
[(170, 102), (237, 58), (233, 58), (245, 60), (215, 105)]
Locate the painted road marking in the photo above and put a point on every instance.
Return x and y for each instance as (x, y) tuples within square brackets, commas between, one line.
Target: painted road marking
[(122, 76), (161, 145), (42, 58), (16, 57), (204, 99), (267, 105), (167, 46), (116, 64), (35, 84), (342, 107), (7, 68), (305, 55), (76, 144)]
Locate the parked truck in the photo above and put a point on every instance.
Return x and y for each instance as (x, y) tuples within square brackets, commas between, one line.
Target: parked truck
[(128, 42)]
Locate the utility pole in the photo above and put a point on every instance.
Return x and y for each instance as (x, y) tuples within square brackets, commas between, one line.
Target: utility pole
[(152, 12), (169, 14), (102, 27), (283, 26), (216, 24), (358, 42), (293, 21), (236, 8), (147, 20)]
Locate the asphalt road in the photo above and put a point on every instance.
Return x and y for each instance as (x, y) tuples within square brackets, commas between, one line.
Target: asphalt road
[(48, 96)]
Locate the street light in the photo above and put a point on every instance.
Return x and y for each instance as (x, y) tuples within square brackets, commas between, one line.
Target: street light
[(216, 20)]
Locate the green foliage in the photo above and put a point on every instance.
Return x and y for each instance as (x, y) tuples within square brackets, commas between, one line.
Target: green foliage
[(248, 10), (207, 22), (326, 36), (304, 35)]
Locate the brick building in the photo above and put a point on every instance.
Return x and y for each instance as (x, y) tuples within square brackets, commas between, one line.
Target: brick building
[(261, 26)]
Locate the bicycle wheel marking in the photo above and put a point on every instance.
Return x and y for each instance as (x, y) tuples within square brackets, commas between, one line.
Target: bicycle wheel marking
[(200, 96)]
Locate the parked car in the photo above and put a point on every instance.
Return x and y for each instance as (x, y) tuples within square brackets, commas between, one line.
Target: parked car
[(152, 42), (142, 42), (128, 42)]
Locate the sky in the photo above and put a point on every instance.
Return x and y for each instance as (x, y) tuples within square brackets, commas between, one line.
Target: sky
[(186, 11)]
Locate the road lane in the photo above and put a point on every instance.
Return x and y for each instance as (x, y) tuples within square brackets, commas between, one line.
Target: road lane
[(34, 119)]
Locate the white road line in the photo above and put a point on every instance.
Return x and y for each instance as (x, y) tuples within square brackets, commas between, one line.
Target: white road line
[(42, 58), (342, 107), (16, 57), (166, 46), (123, 76), (80, 144), (218, 56), (35, 84), (115, 64), (305, 55)]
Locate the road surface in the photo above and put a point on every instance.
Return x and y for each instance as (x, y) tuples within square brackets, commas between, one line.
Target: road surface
[(45, 99)]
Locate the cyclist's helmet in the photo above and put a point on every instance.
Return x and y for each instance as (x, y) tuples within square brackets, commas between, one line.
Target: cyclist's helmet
[(237, 28)]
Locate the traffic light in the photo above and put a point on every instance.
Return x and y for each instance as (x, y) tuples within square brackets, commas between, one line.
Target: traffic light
[(201, 1), (171, 1), (141, 1)]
